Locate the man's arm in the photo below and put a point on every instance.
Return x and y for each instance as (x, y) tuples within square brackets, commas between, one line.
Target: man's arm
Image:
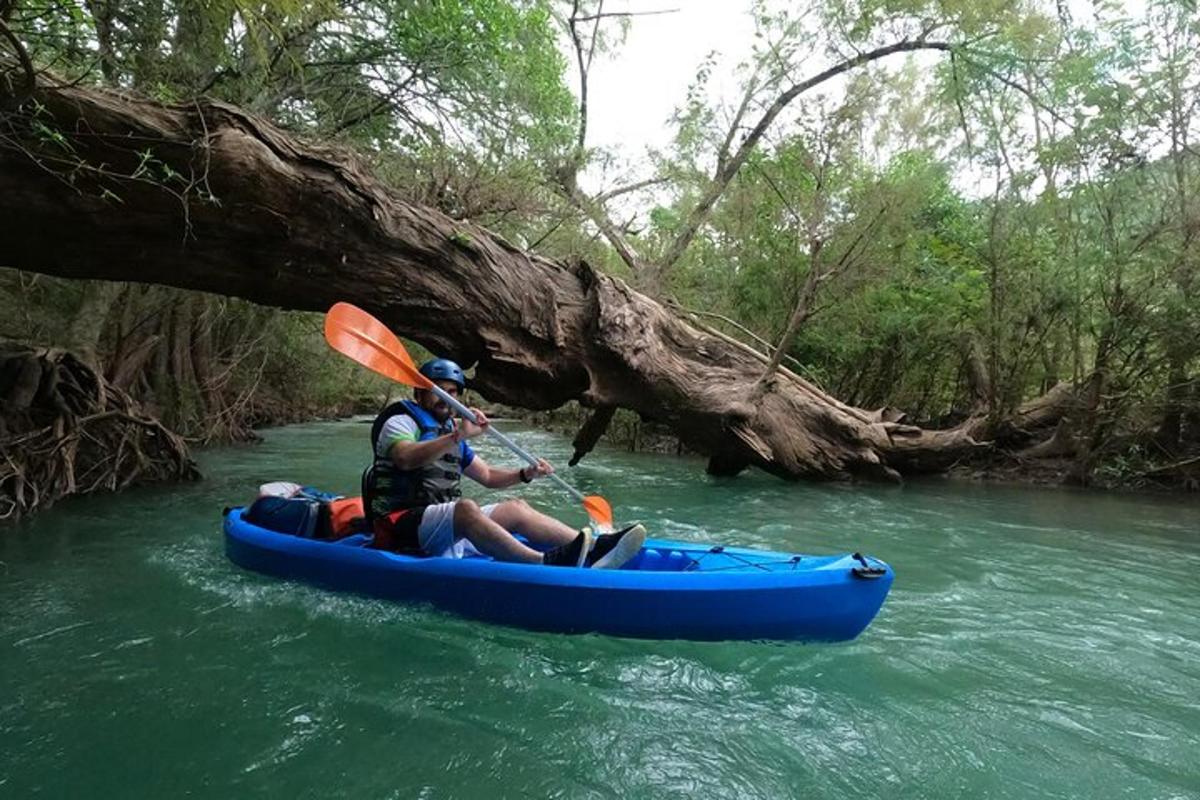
[(498, 478), (410, 455)]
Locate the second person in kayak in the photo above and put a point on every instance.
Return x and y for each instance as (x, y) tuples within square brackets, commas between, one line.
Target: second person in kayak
[(420, 456)]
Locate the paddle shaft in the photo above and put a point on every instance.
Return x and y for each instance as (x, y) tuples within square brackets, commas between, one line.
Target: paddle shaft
[(517, 450)]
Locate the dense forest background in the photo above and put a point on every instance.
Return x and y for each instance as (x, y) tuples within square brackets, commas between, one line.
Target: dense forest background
[(951, 227)]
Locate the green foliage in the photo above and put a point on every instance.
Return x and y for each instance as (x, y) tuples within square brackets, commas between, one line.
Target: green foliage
[(457, 101), (1027, 207), (1029, 204), (462, 239), (375, 71), (300, 367)]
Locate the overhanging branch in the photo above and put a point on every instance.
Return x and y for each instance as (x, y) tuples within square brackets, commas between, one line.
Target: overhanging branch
[(726, 171)]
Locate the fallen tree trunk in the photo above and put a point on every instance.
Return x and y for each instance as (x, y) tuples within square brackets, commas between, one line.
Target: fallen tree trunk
[(206, 196), (1033, 420)]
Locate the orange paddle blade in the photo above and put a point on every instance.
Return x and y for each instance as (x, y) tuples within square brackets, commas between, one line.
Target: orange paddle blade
[(600, 511), (358, 335)]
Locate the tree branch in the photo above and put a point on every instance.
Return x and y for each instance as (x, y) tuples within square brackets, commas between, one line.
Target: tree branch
[(727, 171), (581, 134), (633, 187), (597, 215), (18, 97), (567, 177), (736, 123), (1015, 85), (601, 15)]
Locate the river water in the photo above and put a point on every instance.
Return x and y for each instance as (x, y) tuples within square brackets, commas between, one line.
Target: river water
[(1037, 643)]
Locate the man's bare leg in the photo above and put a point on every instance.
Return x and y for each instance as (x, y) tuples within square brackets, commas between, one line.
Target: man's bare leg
[(520, 517), (489, 536)]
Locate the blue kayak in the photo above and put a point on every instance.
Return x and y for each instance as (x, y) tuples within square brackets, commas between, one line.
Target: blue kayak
[(670, 590)]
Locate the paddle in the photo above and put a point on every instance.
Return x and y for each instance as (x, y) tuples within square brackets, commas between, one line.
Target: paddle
[(355, 333)]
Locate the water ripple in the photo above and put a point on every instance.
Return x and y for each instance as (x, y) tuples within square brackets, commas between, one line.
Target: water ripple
[(1036, 644)]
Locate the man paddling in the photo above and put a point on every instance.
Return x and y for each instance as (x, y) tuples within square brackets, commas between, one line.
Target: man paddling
[(420, 456)]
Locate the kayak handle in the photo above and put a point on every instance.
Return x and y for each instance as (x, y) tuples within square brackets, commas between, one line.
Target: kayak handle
[(866, 570)]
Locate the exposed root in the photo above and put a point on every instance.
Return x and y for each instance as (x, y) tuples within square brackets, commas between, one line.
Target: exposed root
[(64, 430)]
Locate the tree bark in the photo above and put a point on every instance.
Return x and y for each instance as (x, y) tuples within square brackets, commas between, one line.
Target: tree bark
[(1191, 417), (86, 327), (979, 381), (1170, 427), (261, 215), (591, 431)]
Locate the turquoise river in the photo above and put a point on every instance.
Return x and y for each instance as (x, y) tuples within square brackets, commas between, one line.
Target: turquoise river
[(1036, 644)]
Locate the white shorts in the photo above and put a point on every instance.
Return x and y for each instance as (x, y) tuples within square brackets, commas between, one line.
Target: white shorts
[(436, 536)]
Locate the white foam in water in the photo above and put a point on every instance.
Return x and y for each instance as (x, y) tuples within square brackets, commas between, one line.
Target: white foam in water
[(49, 633), (209, 571)]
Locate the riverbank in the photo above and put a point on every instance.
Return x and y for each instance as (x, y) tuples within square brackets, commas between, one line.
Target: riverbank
[(67, 429), (1122, 474), (627, 432)]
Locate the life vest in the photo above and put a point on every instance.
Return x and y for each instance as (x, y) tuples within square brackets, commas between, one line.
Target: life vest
[(391, 488)]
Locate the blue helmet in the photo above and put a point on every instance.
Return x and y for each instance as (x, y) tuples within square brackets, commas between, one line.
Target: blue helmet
[(443, 369)]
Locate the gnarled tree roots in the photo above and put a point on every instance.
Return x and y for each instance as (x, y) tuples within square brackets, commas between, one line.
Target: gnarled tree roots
[(64, 430)]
